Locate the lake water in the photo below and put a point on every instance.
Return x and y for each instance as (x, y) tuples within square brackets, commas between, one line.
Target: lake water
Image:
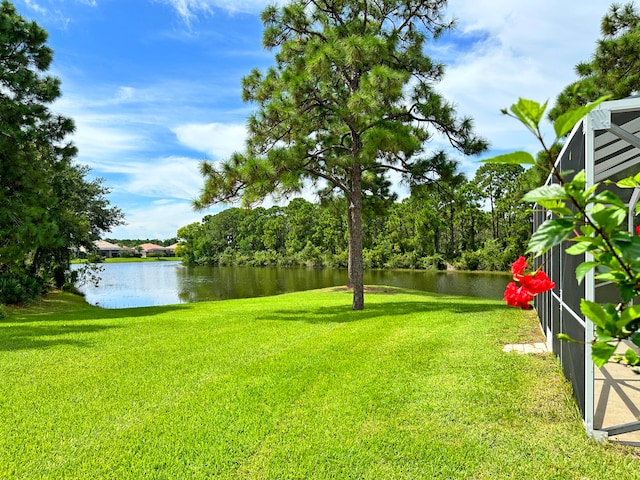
[(141, 284)]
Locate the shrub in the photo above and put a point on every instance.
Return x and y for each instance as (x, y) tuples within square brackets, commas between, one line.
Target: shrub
[(492, 256), (94, 258), (16, 289), (470, 260), (433, 262)]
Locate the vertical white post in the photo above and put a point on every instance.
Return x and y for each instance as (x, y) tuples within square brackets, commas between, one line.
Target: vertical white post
[(589, 287)]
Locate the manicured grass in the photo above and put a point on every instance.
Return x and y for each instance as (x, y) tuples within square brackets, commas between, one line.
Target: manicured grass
[(294, 386)]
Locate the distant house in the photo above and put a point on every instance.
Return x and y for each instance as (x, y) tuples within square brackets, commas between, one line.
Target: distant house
[(172, 249), (107, 250), (152, 248)]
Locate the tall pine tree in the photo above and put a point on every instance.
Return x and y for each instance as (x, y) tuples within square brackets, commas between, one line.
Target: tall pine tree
[(350, 98)]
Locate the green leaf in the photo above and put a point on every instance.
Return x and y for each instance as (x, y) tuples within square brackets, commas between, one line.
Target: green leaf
[(579, 248), (627, 291), (583, 269), (513, 158), (579, 180), (547, 192), (556, 206), (565, 122), (608, 198), (529, 112), (608, 218), (550, 233), (631, 357), (594, 312), (609, 277), (601, 353), (629, 182), (628, 245), (601, 337), (629, 314), (587, 230)]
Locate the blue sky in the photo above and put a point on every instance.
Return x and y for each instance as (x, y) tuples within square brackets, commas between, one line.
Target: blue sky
[(154, 85)]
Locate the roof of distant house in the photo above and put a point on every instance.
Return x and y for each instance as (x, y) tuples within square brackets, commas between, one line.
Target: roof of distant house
[(147, 247), (102, 245)]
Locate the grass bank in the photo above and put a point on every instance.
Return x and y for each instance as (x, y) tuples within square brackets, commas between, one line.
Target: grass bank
[(295, 386)]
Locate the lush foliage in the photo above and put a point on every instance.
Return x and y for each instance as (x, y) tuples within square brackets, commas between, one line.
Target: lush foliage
[(594, 219), (49, 207), (350, 99), (442, 223), (292, 386)]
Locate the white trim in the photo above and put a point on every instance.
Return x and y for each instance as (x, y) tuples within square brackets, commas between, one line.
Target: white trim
[(633, 201), (589, 291), (577, 317)]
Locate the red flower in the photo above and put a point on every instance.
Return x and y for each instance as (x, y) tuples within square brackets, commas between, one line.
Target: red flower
[(530, 285), (638, 229), (537, 282), (517, 296), (518, 268)]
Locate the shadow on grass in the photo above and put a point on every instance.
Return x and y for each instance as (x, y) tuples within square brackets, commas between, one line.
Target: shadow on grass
[(29, 337), (88, 312), (344, 314), (60, 320)]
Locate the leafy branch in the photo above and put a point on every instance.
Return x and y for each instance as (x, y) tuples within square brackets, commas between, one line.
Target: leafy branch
[(592, 218)]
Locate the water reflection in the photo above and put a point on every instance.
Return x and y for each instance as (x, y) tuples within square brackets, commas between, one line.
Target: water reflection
[(164, 283)]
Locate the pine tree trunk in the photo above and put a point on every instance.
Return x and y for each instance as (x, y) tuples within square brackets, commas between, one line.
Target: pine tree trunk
[(356, 263), (350, 249)]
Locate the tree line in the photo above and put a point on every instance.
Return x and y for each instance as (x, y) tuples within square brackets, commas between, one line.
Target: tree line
[(476, 224)]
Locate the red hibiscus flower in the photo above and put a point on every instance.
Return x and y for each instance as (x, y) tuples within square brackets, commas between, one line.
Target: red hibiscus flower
[(517, 269), (537, 282), (517, 296), (530, 285), (638, 229)]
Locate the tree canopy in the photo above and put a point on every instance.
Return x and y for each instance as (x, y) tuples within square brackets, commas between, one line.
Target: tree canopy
[(351, 98), (49, 207)]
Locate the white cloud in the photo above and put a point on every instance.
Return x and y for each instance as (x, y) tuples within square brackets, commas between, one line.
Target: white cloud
[(215, 139), (171, 177), (160, 219), (124, 94), (35, 7), (188, 10), (97, 141), (522, 49)]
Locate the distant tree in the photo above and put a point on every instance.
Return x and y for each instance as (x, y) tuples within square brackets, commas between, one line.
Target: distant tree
[(48, 207), (301, 224), (351, 97), (497, 183), (614, 68)]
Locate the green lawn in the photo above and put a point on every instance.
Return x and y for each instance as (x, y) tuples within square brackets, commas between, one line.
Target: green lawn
[(294, 386)]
